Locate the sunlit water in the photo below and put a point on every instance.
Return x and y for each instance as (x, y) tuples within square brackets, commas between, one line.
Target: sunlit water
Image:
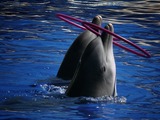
[(33, 43)]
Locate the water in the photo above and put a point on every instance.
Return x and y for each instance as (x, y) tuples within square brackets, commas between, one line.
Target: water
[(33, 43)]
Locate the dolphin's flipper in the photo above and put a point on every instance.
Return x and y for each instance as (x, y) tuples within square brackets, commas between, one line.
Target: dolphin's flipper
[(70, 61)]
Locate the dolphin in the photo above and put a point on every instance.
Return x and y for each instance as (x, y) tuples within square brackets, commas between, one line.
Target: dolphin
[(95, 75), (70, 61)]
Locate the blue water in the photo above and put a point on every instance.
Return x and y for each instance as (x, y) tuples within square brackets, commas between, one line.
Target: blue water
[(33, 43)]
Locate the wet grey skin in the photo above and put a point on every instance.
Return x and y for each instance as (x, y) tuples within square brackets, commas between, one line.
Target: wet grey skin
[(95, 75), (74, 53)]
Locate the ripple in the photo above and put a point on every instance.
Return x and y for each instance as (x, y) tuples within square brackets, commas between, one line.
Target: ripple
[(57, 90)]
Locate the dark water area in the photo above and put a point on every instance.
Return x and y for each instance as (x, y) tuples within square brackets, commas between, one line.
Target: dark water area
[(33, 42)]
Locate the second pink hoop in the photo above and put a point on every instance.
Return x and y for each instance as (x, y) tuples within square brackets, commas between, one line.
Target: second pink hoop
[(89, 26)]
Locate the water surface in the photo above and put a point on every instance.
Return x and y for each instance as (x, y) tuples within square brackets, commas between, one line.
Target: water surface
[(33, 43)]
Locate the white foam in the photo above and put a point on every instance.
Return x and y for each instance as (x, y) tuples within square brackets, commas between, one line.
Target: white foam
[(52, 89), (108, 99)]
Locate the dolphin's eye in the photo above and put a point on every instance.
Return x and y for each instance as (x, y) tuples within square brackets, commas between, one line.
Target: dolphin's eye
[(103, 69)]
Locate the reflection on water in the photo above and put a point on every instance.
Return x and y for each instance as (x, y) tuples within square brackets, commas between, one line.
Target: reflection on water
[(33, 43)]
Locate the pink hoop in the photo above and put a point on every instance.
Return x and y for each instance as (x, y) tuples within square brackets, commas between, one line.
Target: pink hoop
[(89, 26)]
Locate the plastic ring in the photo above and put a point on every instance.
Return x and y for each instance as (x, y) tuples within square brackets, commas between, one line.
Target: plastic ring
[(89, 26)]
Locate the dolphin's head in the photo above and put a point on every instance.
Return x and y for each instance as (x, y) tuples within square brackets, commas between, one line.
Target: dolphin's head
[(95, 74)]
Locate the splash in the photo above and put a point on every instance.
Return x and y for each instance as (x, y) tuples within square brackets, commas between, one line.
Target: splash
[(60, 90), (108, 99), (52, 89)]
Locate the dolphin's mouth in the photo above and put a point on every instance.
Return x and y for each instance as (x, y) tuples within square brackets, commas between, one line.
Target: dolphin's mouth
[(97, 20), (99, 17), (109, 27)]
